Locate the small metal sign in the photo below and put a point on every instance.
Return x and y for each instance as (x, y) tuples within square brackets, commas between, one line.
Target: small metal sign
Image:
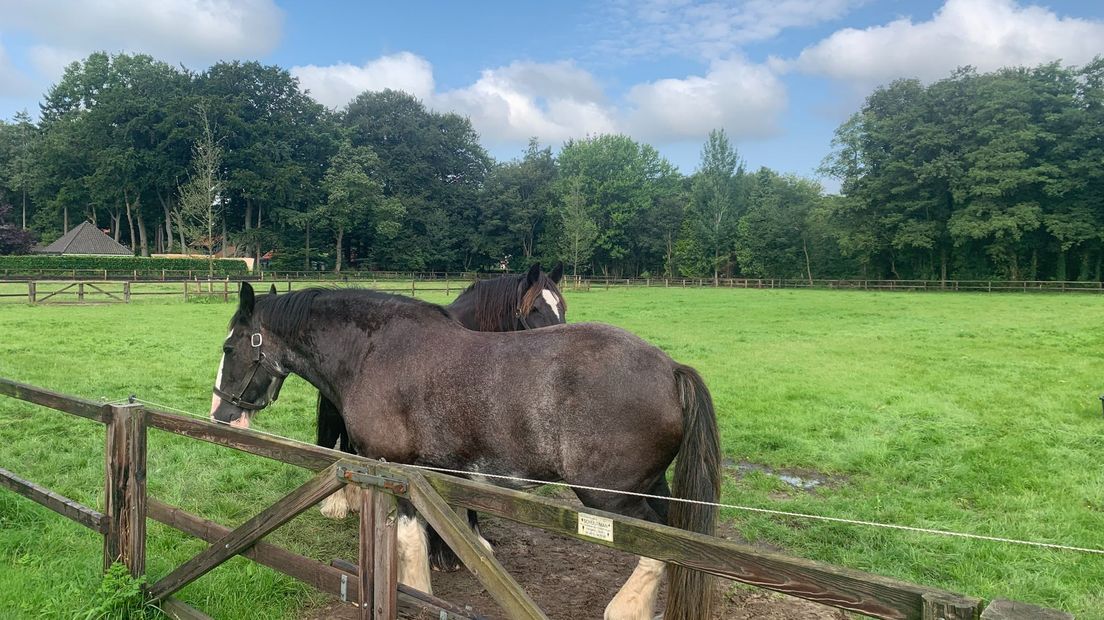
[(596, 527)]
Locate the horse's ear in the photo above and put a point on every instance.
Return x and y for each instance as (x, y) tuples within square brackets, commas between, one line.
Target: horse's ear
[(245, 301), (272, 291), (533, 275), (557, 272)]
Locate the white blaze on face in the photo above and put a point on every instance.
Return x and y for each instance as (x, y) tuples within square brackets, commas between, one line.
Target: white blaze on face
[(552, 301), (215, 399)]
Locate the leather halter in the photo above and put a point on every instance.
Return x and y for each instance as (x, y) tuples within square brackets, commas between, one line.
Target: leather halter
[(260, 360), (521, 319)]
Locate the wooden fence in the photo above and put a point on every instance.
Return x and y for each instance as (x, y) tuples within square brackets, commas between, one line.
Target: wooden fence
[(225, 289), (373, 583), (125, 287)]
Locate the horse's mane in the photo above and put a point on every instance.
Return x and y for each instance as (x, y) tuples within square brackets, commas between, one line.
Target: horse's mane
[(496, 301), (289, 313)]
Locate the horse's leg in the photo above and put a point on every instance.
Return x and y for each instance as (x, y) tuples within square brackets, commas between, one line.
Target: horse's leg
[(442, 557), (413, 549), (333, 434), (636, 599)]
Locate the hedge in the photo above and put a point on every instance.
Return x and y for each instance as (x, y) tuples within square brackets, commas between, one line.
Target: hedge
[(32, 264)]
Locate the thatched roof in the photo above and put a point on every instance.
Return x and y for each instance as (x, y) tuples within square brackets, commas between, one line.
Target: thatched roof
[(85, 239)]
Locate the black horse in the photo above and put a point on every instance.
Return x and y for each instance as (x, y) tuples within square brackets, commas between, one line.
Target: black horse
[(586, 404), (508, 303)]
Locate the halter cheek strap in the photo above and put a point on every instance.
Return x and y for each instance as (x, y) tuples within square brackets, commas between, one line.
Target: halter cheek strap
[(260, 360), (521, 319)]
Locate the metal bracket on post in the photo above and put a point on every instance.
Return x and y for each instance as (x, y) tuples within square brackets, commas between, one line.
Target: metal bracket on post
[(364, 477), (344, 588)]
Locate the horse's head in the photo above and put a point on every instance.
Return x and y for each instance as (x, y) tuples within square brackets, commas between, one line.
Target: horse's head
[(541, 303), (250, 374)]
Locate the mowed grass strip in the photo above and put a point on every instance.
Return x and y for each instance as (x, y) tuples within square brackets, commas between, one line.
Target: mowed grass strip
[(969, 412)]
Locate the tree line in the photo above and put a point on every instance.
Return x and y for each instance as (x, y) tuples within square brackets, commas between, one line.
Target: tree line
[(978, 175)]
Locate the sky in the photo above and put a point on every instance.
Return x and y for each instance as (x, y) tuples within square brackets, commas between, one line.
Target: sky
[(779, 76)]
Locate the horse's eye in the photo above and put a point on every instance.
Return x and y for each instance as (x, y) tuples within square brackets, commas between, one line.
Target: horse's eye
[(228, 350)]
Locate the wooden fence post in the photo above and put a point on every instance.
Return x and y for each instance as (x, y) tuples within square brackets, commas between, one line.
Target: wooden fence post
[(80, 292), (31, 293), (185, 290), (945, 607), (126, 292), (125, 489), (379, 560)]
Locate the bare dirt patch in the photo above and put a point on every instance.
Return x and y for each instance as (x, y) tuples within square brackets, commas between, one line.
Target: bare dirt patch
[(574, 580)]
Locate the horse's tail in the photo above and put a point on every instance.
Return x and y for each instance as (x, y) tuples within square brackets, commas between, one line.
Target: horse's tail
[(697, 477), (331, 426)]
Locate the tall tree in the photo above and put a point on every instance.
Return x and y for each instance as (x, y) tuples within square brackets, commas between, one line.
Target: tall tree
[(717, 201), (355, 198), (200, 212), (579, 229)]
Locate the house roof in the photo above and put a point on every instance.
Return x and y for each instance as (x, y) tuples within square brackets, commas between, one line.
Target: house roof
[(86, 239)]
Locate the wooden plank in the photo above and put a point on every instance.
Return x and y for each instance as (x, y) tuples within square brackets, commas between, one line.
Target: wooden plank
[(283, 450), (284, 510), (1002, 609), (179, 610), (58, 503), (482, 565), (54, 400), (844, 588), (379, 579), (312, 572), (944, 607), (125, 489), (366, 553)]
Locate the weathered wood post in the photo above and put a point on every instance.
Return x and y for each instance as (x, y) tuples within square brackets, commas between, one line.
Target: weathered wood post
[(125, 489), (80, 292), (379, 559), (126, 292), (948, 607), (31, 294)]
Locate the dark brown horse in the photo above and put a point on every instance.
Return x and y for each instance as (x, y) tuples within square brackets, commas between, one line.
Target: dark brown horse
[(586, 404), (508, 303)]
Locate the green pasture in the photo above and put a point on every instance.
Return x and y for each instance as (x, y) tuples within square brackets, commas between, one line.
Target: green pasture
[(968, 412)]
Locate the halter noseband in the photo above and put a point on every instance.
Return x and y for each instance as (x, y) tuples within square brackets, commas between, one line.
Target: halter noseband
[(260, 360)]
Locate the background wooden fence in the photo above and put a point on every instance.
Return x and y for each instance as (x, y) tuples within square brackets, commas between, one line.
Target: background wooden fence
[(79, 290), (373, 583)]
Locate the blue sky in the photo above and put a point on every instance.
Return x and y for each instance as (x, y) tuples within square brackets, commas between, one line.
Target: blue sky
[(778, 75)]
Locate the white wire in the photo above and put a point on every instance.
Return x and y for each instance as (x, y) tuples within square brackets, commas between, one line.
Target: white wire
[(784, 513)]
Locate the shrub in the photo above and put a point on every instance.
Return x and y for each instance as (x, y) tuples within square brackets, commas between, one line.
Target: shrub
[(117, 265)]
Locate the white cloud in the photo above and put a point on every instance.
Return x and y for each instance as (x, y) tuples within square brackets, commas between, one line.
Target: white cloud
[(189, 31), (336, 85), (988, 34), (557, 101), (743, 98), (708, 30), (554, 101)]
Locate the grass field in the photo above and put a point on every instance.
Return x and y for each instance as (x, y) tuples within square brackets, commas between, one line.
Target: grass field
[(976, 413)]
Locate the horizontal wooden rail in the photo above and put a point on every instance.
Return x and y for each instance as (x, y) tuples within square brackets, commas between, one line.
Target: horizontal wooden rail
[(312, 572), (843, 588), (853, 590), (90, 409), (60, 504)]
